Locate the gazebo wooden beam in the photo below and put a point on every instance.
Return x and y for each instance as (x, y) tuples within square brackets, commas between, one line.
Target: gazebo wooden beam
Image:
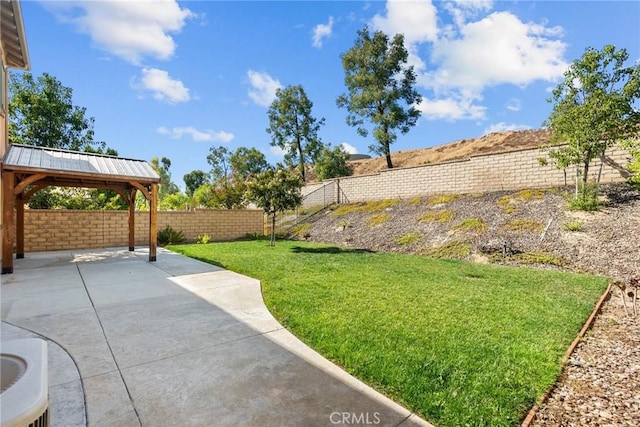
[(131, 203), (153, 222), (8, 183), (28, 181), (19, 202)]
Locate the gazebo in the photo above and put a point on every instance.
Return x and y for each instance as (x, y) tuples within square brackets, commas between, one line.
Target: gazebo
[(28, 169)]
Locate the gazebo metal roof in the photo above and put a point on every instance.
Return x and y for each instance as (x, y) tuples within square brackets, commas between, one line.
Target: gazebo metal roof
[(73, 163)]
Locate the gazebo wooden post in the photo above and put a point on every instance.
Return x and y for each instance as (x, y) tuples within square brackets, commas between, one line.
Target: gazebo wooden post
[(131, 201), (8, 199), (153, 221), (20, 226)]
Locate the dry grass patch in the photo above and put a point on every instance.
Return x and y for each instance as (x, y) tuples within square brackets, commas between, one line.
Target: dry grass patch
[(540, 258), (523, 226), (471, 225), (378, 219), (440, 216), (409, 238), (368, 207), (302, 230), (455, 249), (442, 199)]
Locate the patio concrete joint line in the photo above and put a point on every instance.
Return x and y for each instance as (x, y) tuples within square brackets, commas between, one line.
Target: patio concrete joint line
[(104, 335)]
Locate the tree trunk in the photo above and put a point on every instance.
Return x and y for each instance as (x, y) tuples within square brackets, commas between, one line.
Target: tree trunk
[(601, 156), (585, 177), (301, 154), (272, 242), (388, 156)]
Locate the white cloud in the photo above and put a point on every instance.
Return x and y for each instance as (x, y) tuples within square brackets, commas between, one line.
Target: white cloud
[(349, 148), (451, 109), (514, 105), (322, 31), (277, 151), (128, 29), (416, 19), (162, 86), (196, 135), (482, 49), (263, 88), (504, 127), (462, 10), (498, 49)]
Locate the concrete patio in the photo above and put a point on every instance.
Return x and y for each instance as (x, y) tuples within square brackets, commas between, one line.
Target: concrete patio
[(177, 342)]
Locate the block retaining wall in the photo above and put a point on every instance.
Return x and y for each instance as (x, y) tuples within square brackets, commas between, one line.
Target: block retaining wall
[(513, 170), (46, 230)]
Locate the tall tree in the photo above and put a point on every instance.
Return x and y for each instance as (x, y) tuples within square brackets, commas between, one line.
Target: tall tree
[(293, 128), (227, 188), (41, 112), (275, 190), (246, 162), (593, 108), (193, 180), (166, 187), (380, 89)]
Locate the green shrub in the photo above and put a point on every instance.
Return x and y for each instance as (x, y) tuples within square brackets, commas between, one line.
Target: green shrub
[(587, 198), (203, 239), (169, 236)]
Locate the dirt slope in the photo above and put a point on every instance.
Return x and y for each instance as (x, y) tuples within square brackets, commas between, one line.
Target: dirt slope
[(492, 143)]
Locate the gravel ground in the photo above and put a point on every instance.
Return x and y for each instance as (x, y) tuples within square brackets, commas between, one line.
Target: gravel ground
[(601, 385)]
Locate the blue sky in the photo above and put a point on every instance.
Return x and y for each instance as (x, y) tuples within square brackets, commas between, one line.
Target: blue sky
[(172, 79)]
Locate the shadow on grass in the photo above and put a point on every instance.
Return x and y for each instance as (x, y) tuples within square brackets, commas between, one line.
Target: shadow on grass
[(330, 250), (208, 261)]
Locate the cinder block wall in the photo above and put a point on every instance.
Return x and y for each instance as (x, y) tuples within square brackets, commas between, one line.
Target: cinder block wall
[(46, 230), (492, 172)]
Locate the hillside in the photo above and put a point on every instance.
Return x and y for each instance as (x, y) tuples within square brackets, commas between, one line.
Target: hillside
[(497, 142)]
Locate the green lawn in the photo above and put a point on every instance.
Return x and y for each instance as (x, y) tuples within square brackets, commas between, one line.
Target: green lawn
[(457, 342)]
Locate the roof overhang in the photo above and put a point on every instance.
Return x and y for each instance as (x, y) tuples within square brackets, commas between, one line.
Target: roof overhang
[(73, 168), (12, 35)]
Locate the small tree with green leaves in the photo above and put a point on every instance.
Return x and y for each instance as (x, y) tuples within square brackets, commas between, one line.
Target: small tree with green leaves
[(293, 128), (380, 89), (593, 110), (332, 163), (275, 190)]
